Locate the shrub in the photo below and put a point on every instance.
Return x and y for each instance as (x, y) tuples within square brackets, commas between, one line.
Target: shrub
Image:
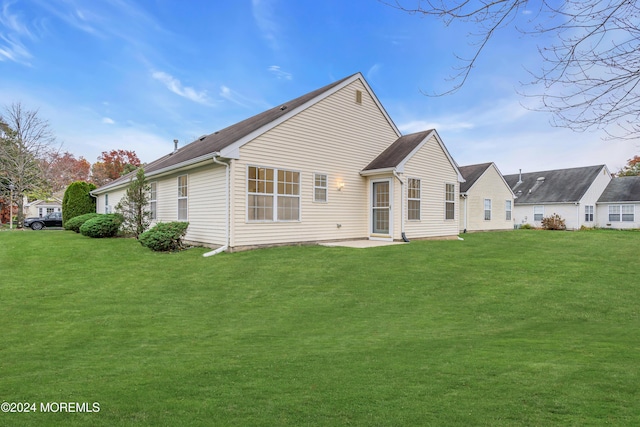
[(164, 236), (553, 222), (105, 225), (76, 222), (77, 200), (526, 226)]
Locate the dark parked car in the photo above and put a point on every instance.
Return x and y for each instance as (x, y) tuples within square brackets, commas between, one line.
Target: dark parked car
[(51, 220)]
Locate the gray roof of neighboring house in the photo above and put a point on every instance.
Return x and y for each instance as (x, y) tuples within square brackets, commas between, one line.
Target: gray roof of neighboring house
[(218, 140), (555, 186), (471, 173), (398, 151), (622, 189)]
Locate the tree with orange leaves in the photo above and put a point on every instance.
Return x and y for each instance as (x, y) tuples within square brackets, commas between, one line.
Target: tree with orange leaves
[(112, 165)]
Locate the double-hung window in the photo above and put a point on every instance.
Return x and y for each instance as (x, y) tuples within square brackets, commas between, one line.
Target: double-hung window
[(273, 194), (538, 213), (625, 213), (153, 187), (588, 213), (450, 201), (107, 208), (320, 187), (487, 209), (507, 210), (413, 199), (614, 213), (183, 198)]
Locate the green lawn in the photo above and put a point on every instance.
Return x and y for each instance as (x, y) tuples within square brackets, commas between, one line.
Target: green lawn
[(501, 329)]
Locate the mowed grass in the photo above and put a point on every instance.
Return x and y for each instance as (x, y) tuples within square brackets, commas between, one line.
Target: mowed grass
[(501, 329)]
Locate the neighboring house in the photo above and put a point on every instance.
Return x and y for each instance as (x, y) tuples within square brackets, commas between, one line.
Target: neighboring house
[(486, 200), (40, 208), (329, 165), (570, 193), (619, 204)]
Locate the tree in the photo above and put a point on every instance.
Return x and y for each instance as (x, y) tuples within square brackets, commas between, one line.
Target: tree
[(25, 138), (112, 165), (62, 169), (590, 74), (632, 168), (77, 200), (134, 206)]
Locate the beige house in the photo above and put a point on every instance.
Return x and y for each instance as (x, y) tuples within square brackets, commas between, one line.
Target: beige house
[(486, 200), (570, 193), (329, 165), (41, 208)]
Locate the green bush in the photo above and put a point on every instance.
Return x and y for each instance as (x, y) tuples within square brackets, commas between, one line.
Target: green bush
[(164, 236), (77, 200), (105, 225), (76, 222), (526, 226)]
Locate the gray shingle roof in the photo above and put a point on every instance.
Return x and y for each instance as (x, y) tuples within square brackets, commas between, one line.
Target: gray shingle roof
[(558, 186), (622, 189), (398, 151), (471, 173), (214, 142)]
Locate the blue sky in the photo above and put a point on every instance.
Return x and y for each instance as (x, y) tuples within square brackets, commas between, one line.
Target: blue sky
[(138, 74)]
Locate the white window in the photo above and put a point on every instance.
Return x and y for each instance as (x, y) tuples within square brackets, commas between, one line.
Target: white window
[(107, 209), (320, 187), (614, 213), (507, 210), (269, 202), (588, 213), (538, 213), (487, 209), (183, 198), (153, 205), (413, 199), (450, 201), (624, 213)]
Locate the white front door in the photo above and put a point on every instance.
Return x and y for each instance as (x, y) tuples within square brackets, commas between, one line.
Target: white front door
[(381, 218)]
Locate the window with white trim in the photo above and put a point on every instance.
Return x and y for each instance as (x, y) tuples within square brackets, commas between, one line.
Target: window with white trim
[(507, 210), (320, 188), (413, 199), (588, 213), (538, 213), (267, 201), (625, 213), (487, 209), (450, 201), (107, 208), (183, 198), (153, 186)]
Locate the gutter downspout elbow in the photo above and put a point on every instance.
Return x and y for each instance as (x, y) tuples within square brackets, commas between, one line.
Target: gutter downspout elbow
[(216, 159)]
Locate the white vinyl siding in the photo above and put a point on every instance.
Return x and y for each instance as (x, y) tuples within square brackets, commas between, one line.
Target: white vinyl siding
[(487, 209), (413, 199), (183, 198), (320, 189)]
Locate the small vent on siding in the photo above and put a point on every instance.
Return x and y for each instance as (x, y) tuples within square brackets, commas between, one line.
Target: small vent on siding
[(358, 97)]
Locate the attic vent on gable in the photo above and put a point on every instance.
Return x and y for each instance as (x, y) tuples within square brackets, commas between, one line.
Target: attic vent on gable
[(358, 97)]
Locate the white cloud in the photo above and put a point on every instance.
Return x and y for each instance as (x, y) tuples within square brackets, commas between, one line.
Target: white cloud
[(175, 86), (372, 73), (264, 17), (12, 30), (233, 96), (108, 121), (277, 71)]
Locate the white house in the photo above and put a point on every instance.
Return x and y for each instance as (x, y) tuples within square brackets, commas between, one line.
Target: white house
[(570, 193), (329, 165), (486, 200), (619, 204)]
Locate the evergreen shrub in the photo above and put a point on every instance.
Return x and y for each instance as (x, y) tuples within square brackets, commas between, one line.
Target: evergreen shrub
[(164, 236), (105, 225), (76, 222)]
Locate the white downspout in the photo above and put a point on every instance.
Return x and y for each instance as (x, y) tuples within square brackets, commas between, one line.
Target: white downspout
[(464, 197), (404, 236), (224, 247)]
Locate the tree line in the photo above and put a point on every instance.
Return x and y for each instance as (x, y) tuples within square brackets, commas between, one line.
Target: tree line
[(34, 164)]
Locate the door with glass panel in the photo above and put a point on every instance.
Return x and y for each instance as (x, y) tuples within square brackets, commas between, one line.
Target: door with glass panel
[(381, 207)]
